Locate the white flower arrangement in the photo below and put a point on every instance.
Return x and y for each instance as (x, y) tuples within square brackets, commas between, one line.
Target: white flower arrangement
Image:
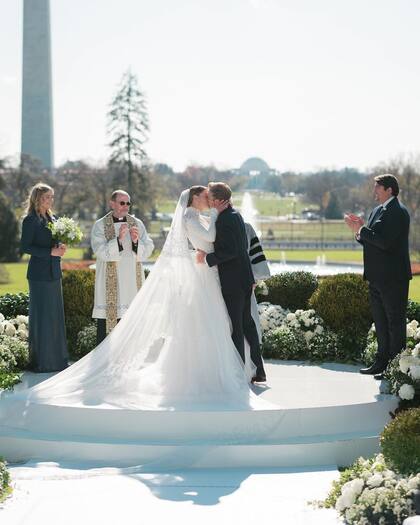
[(17, 327), (66, 230), (403, 373), (374, 494), (406, 392), (295, 335), (271, 316), (261, 288)]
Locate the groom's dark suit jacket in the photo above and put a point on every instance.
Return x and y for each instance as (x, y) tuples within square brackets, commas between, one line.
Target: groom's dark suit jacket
[(385, 244), (231, 252)]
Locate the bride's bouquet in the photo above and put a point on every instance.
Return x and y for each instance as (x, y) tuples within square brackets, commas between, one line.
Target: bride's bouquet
[(66, 231)]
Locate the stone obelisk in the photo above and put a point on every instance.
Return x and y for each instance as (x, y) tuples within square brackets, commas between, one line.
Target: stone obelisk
[(37, 112)]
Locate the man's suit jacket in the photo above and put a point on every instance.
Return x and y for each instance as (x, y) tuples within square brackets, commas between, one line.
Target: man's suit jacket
[(385, 244), (231, 253), (37, 241)]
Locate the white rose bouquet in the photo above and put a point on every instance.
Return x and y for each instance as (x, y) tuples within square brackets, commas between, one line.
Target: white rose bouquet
[(66, 231)]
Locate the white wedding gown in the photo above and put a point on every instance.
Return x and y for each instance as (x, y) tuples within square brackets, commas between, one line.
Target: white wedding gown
[(172, 350)]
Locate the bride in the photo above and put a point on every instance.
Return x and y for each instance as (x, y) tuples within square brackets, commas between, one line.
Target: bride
[(172, 349)]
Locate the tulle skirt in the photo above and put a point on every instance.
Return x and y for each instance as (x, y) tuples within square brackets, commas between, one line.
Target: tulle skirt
[(172, 350)]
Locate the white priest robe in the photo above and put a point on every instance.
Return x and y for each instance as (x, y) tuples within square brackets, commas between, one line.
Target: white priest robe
[(126, 260)]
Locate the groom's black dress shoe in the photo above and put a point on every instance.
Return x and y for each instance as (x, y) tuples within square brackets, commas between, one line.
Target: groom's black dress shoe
[(258, 379), (376, 368), (379, 377)]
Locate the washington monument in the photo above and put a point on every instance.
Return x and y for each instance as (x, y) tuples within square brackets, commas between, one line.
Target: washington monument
[(37, 113)]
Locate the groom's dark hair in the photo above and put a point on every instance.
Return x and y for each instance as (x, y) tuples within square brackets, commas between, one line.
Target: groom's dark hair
[(220, 191), (388, 181)]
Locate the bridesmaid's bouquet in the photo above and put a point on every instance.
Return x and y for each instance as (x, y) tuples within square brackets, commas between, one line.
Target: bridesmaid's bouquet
[(66, 231)]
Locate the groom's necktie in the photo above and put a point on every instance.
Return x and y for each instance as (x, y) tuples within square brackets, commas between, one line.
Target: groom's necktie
[(375, 215)]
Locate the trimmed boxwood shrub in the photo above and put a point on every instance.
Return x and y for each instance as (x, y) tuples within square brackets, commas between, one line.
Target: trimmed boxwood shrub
[(291, 290), (400, 441), (14, 304), (343, 303), (78, 294)]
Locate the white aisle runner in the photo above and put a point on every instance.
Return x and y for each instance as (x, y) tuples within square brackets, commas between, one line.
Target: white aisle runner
[(195, 497)]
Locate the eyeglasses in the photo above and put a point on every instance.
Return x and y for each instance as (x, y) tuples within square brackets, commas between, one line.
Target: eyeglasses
[(123, 203)]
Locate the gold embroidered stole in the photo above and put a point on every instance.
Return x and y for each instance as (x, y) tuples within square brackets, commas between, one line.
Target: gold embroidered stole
[(111, 277)]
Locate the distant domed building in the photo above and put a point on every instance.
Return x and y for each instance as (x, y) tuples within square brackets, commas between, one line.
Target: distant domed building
[(258, 172), (254, 166)]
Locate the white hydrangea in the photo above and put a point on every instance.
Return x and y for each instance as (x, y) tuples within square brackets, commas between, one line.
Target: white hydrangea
[(411, 332), (309, 335), (9, 329), (406, 361), (406, 392), (414, 372), (416, 350), (349, 493), (375, 480), (1, 317)]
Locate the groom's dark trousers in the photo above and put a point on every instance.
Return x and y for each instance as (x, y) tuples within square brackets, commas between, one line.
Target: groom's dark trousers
[(388, 270), (236, 280)]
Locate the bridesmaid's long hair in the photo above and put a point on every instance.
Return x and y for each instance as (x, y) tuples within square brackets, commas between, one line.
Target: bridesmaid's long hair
[(33, 202), (194, 190)]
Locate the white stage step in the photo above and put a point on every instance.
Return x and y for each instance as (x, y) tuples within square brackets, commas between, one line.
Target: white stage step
[(322, 428)]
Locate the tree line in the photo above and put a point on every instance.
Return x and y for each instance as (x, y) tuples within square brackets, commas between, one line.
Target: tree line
[(82, 190)]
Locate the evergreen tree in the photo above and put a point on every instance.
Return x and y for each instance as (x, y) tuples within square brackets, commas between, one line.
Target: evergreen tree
[(333, 209), (9, 231), (128, 128)]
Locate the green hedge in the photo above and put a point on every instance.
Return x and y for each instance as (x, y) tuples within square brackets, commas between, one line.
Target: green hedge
[(78, 294), (343, 303), (291, 290), (14, 304), (400, 441)]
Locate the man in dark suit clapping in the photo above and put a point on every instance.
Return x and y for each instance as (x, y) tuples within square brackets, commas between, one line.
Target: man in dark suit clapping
[(386, 267)]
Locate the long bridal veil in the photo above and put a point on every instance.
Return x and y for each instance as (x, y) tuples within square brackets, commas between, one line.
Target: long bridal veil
[(172, 349)]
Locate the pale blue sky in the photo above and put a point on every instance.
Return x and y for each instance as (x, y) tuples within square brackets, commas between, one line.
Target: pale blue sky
[(302, 83)]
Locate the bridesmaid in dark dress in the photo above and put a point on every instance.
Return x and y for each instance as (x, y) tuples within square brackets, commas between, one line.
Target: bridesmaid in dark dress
[(47, 332)]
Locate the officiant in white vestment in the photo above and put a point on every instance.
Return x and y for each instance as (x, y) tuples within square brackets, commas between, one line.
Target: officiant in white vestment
[(120, 242)]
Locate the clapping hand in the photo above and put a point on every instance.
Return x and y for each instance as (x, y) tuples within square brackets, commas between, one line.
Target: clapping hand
[(200, 256), (134, 234), (354, 222)]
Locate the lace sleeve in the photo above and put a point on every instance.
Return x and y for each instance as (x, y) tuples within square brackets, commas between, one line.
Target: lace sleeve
[(196, 228)]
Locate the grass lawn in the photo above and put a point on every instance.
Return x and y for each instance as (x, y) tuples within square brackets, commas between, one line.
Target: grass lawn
[(18, 282), (166, 206), (270, 204), (344, 256)]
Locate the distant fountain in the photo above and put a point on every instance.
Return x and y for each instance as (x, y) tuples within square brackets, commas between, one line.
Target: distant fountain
[(282, 257), (321, 260), (249, 213)]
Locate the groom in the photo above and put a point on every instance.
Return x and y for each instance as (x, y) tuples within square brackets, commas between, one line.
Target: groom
[(235, 272)]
